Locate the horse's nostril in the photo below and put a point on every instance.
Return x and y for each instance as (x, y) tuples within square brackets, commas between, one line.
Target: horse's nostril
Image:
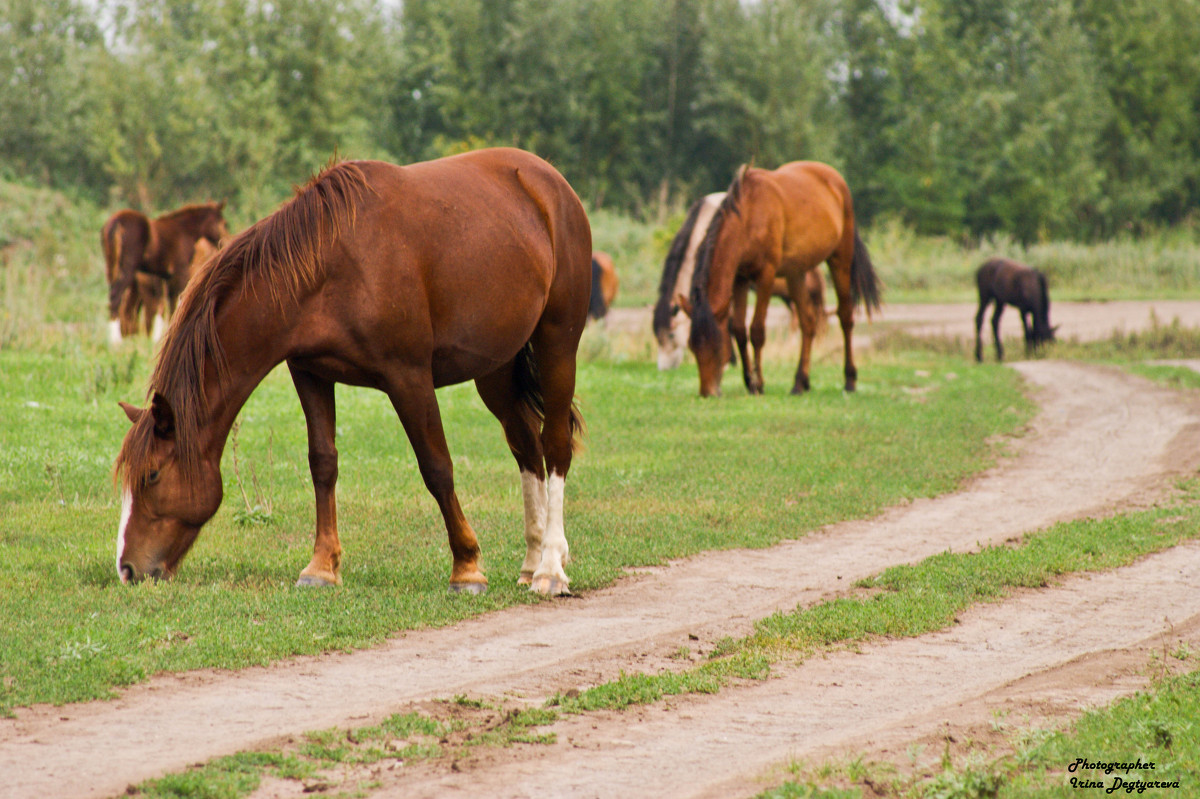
[(126, 573)]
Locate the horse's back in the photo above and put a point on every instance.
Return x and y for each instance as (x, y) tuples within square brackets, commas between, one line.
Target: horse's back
[(816, 203), (468, 254)]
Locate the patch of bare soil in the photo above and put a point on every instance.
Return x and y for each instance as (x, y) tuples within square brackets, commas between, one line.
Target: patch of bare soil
[(1103, 441)]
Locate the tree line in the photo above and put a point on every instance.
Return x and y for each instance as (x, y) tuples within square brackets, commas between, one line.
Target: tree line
[(1038, 118)]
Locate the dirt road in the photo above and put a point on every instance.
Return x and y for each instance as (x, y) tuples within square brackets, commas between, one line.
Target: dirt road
[(1102, 441)]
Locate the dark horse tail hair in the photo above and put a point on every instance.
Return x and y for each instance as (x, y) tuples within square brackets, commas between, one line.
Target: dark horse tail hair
[(704, 324), (864, 283), (671, 267), (532, 403), (596, 307)]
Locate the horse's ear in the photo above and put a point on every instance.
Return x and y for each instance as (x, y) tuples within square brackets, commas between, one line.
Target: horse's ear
[(684, 303), (164, 416), (132, 411)]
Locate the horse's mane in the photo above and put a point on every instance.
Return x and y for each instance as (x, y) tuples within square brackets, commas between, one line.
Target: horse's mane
[(281, 254), (674, 261), (704, 324)]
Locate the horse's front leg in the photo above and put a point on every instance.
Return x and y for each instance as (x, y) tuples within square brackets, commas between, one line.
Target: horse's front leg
[(1025, 323), (415, 403), (317, 401), (758, 327), (737, 328)]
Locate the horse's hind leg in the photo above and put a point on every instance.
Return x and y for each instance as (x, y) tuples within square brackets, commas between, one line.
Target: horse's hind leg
[(839, 270), (502, 396), (554, 350), (996, 329), (807, 316), (317, 401), (984, 301)]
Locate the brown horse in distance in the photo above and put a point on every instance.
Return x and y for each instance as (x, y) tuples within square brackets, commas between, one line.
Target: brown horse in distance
[(401, 278), (780, 223), (671, 330), (1006, 282), (162, 247), (154, 299), (604, 285)]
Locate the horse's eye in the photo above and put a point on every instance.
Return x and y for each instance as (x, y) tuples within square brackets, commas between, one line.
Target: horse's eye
[(152, 478)]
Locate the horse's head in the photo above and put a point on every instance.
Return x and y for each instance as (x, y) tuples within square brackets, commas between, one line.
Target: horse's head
[(672, 343), (709, 343), (163, 503), (213, 227)]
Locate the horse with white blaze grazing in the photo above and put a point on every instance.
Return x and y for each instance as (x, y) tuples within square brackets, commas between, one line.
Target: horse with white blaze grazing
[(671, 329), (401, 278)]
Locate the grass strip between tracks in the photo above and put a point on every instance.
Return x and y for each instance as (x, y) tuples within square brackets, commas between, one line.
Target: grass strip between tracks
[(903, 601)]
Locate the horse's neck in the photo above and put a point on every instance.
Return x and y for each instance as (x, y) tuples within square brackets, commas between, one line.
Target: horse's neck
[(254, 343)]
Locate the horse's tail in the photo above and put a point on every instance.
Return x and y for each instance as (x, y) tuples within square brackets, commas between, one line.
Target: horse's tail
[(670, 274), (596, 307), (864, 283), (530, 401)]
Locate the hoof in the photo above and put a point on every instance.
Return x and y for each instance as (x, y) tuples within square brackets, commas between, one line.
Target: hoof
[(468, 588), (526, 578), (549, 586), (311, 580)]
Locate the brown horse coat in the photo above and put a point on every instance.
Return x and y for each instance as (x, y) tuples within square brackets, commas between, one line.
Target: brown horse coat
[(474, 267), (137, 248), (776, 224)]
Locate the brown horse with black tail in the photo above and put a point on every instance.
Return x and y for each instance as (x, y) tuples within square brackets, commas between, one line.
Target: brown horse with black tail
[(1006, 282), (671, 330), (163, 248), (780, 223), (401, 278)]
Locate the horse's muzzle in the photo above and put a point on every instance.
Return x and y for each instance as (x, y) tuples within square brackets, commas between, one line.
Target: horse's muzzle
[(130, 575)]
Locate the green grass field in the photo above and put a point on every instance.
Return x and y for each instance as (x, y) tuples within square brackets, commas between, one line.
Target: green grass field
[(664, 474), (647, 487)]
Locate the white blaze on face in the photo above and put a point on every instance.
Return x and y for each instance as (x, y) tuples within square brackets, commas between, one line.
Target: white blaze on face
[(114, 332), (126, 512)]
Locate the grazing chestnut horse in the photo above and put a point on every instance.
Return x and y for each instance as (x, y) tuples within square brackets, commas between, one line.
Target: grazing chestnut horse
[(402, 278), (671, 330), (1007, 282), (162, 247), (604, 285), (772, 224)]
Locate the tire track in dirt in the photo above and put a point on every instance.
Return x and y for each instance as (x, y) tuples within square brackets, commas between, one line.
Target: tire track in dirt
[(715, 746), (1103, 440)]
